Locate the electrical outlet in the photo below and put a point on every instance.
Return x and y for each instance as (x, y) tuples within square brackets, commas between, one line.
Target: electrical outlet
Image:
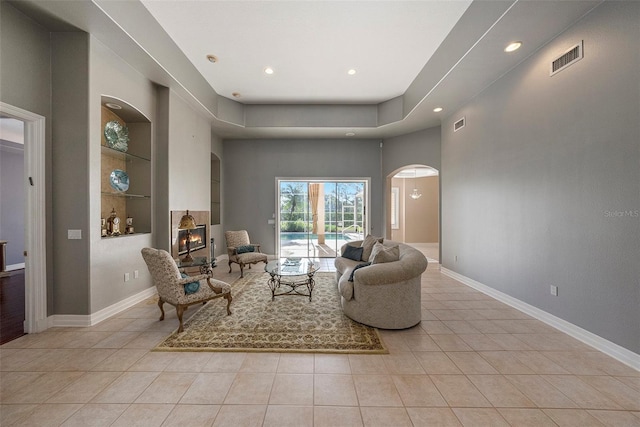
[(136, 274), (126, 277), (553, 290)]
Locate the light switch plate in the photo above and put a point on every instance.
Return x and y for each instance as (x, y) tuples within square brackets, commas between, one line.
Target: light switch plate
[(74, 234)]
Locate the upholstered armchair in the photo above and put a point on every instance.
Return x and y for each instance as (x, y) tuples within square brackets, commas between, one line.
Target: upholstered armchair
[(171, 285), (242, 251)]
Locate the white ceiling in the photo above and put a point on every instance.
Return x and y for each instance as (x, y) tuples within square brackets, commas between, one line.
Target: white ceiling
[(410, 56), (310, 45)]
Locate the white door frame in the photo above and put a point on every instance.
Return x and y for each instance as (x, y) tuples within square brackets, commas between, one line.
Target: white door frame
[(35, 215)]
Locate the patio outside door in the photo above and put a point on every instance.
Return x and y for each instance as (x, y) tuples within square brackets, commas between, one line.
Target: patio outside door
[(316, 218)]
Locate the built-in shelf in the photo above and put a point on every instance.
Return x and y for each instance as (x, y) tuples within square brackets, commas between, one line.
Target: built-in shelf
[(126, 195), (135, 203), (124, 235), (215, 189), (116, 154)]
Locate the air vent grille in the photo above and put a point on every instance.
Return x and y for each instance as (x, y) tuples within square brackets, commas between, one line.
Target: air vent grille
[(458, 125), (570, 57)]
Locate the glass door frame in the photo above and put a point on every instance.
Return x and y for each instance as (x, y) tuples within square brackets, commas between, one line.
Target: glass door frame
[(312, 180)]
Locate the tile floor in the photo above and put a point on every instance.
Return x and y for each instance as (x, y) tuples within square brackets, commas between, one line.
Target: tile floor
[(473, 361)]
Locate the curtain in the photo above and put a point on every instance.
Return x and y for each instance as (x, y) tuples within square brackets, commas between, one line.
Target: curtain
[(314, 191)]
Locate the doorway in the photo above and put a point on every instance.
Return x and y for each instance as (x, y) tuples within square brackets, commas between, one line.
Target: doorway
[(34, 251), (414, 209), (316, 217), (12, 214)]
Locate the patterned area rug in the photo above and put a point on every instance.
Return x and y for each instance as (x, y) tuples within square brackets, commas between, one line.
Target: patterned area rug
[(289, 324)]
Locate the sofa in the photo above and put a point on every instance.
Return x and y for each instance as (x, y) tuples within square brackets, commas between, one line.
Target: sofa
[(383, 295)]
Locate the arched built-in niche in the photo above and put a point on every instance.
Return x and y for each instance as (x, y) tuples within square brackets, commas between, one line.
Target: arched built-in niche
[(413, 208), (215, 189)]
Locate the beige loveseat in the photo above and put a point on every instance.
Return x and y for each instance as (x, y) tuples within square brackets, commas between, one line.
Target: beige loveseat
[(385, 295)]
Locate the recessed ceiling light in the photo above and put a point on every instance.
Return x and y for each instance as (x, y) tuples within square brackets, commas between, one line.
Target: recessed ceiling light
[(513, 46), (212, 58), (236, 94), (268, 70), (437, 109), (113, 106), (350, 134), (351, 72)]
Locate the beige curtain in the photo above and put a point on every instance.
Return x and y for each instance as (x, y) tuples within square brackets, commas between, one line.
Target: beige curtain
[(314, 190)]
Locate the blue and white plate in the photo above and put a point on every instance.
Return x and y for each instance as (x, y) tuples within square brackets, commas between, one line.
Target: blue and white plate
[(119, 180), (117, 136)]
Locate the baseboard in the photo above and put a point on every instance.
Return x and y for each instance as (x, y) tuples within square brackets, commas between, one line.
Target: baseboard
[(620, 353), (80, 320), (13, 267)]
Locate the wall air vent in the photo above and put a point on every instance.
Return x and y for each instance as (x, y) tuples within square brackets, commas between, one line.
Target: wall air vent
[(570, 57), (458, 125)]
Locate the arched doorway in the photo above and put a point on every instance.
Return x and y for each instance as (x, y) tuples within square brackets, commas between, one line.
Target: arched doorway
[(413, 210)]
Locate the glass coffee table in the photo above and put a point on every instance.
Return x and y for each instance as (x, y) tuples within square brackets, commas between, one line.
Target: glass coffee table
[(200, 262), (289, 274)]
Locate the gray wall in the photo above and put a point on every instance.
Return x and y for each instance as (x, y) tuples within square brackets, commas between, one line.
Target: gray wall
[(25, 45), (111, 258), (251, 166), (70, 98), (189, 157), (67, 73), (217, 231), (416, 148), (422, 147), (542, 186), (12, 200)]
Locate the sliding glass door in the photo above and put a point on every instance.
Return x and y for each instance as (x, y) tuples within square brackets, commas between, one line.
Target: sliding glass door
[(316, 217)]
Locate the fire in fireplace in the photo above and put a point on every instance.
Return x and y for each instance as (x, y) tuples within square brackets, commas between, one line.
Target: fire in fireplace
[(198, 239)]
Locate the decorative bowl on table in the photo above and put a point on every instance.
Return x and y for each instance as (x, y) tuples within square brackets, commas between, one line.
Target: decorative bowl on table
[(119, 180), (117, 136)]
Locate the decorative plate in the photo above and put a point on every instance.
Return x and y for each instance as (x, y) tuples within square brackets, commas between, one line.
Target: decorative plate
[(117, 136), (119, 180)]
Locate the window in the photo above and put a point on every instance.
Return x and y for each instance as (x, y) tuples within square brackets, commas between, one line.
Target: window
[(395, 208)]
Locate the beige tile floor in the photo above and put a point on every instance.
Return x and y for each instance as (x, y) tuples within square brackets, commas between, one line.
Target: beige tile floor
[(472, 361)]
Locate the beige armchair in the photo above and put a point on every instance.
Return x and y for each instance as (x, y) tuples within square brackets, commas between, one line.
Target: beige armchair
[(242, 251), (170, 284)]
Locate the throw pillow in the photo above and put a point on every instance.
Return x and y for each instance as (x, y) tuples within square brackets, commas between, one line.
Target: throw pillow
[(191, 287), (365, 264), (381, 253), (353, 252), (244, 249), (367, 246)]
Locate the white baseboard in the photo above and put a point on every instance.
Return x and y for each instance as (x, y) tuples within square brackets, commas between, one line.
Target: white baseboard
[(12, 267), (614, 350), (73, 320)]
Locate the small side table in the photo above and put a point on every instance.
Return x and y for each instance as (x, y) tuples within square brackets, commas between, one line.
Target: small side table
[(201, 262)]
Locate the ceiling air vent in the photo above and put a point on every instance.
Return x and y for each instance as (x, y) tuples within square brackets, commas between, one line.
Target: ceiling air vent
[(570, 57), (458, 125)]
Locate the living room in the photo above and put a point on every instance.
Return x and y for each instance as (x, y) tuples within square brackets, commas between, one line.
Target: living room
[(540, 188)]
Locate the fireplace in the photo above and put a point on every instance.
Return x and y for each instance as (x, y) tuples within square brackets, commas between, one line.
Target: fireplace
[(198, 239)]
